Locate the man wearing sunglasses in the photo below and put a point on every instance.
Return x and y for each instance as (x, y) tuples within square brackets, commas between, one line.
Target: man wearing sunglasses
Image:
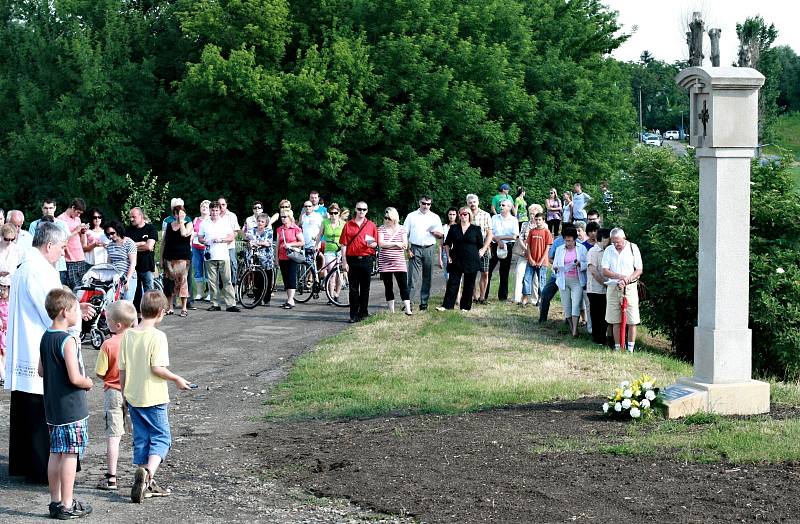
[(424, 229), (358, 241)]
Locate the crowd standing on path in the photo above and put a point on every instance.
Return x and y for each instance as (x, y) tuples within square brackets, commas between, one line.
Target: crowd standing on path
[(559, 245)]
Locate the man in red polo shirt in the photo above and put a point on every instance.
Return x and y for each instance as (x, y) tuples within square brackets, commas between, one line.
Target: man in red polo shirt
[(358, 241)]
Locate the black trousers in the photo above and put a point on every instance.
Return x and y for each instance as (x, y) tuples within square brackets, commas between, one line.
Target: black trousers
[(549, 291), (505, 267), (454, 274), (554, 226), (402, 284), (359, 272), (597, 311), (29, 440)]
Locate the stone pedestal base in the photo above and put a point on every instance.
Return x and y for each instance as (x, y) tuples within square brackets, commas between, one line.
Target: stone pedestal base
[(688, 396)]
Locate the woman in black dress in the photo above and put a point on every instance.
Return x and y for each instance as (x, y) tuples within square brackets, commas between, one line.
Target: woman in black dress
[(176, 257), (464, 245)]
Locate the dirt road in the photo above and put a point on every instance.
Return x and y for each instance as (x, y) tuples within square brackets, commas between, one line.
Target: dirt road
[(235, 359)]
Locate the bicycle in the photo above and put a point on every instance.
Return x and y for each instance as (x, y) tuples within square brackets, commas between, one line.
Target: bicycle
[(253, 281), (335, 284)]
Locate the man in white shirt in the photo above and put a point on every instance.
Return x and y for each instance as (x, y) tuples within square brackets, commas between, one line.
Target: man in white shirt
[(622, 266), (311, 222), (231, 218), (24, 239), (313, 196), (216, 233), (423, 227), (579, 202)]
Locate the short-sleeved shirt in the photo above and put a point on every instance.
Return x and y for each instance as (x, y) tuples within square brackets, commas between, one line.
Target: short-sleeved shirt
[(498, 198), (139, 350), (312, 225), (98, 254), (74, 250), (357, 242), (287, 235), (119, 255), (106, 364), (625, 262), (483, 220), (232, 220), (392, 260), (595, 258), (211, 230), (145, 260), (421, 226), (503, 227), (579, 201), (538, 242)]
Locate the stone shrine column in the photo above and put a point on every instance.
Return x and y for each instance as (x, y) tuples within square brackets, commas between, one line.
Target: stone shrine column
[(724, 129)]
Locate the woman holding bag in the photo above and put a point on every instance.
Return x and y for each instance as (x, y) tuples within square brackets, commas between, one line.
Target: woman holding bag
[(289, 236)]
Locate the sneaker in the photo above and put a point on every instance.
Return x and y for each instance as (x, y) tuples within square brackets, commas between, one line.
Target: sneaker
[(106, 484), (214, 308), (232, 309), (198, 296), (52, 509), (78, 510), (440, 308), (629, 349), (154, 490), (139, 485), (423, 307)]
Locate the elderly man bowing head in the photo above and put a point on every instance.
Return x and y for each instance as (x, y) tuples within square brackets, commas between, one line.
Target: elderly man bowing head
[(29, 442)]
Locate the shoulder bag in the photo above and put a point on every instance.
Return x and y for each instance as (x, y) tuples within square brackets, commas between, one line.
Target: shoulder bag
[(295, 254)]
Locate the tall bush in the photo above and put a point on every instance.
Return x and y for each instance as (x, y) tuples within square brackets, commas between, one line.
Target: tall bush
[(658, 198)]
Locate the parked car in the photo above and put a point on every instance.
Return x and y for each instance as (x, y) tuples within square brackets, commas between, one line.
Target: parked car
[(672, 135), (653, 140)]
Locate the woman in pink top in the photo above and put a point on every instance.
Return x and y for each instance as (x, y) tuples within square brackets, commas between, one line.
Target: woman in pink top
[(393, 241), (569, 264)]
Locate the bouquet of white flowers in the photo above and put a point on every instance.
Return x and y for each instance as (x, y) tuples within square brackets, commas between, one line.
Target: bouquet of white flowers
[(633, 399)]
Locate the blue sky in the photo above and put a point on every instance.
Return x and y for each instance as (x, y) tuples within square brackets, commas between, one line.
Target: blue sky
[(663, 23)]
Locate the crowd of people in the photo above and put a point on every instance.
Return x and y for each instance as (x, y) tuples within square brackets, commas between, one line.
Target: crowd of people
[(560, 246)]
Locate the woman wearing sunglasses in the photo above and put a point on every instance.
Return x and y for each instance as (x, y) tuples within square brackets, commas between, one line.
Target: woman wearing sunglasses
[(122, 254), (95, 240), (464, 245)]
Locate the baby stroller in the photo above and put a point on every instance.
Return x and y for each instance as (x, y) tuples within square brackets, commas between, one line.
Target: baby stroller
[(100, 286)]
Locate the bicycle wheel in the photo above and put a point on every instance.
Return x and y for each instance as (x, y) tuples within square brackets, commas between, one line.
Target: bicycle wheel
[(337, 287), (306, 279), (252, 287)]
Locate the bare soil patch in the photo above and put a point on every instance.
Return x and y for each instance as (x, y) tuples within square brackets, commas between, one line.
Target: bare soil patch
[(481, 467)]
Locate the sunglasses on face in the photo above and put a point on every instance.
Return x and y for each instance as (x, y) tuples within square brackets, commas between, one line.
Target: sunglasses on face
[(8, 239), (424, 203), (333, 212), (256, 207), (285, 207), (361, 209), (111, 233), (97, 218), (464, 214), (308, 206)]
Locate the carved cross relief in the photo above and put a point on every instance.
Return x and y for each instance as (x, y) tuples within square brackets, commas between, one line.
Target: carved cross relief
[(703, 116)]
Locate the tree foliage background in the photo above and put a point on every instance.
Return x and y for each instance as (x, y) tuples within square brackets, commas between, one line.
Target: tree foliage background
[(372, 99)]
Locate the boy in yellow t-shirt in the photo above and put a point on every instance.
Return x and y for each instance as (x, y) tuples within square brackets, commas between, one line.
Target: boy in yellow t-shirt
[(121, 315), (143, 374)]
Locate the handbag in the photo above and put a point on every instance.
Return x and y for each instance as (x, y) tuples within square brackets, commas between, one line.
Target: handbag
[(295, 254), (502, 251)]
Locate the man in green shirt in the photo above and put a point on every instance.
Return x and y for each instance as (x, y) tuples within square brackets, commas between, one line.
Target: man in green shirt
[(500, 196)]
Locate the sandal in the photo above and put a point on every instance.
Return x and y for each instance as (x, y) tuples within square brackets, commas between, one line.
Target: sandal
[(106, 484), (170, 312), (184, 313), (288, 306)]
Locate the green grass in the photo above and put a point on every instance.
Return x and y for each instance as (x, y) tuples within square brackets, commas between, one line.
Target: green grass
[(451, 363), (787, 133), (703, 438)]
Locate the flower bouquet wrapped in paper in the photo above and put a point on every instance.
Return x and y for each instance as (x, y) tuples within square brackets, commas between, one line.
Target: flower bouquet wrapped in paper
[(633, 400)]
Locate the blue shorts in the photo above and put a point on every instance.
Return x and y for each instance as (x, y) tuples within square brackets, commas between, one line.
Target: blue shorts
[(151, 434), (69, 438)]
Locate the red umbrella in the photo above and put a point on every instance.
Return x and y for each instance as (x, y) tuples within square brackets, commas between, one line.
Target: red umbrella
[(623, 320)]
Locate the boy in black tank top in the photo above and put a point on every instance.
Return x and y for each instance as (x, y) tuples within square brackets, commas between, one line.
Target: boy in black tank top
[(65, 404)]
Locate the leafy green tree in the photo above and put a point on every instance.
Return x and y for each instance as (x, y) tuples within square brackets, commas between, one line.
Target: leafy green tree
[(663, 102), (755, 50), (658, 193), (789, 82)]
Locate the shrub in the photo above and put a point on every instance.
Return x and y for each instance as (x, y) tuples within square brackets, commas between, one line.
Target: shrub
[(658, 202), (146, 194)]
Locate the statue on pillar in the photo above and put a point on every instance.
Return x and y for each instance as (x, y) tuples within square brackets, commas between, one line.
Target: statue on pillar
[(714, 34), (695, 40)]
